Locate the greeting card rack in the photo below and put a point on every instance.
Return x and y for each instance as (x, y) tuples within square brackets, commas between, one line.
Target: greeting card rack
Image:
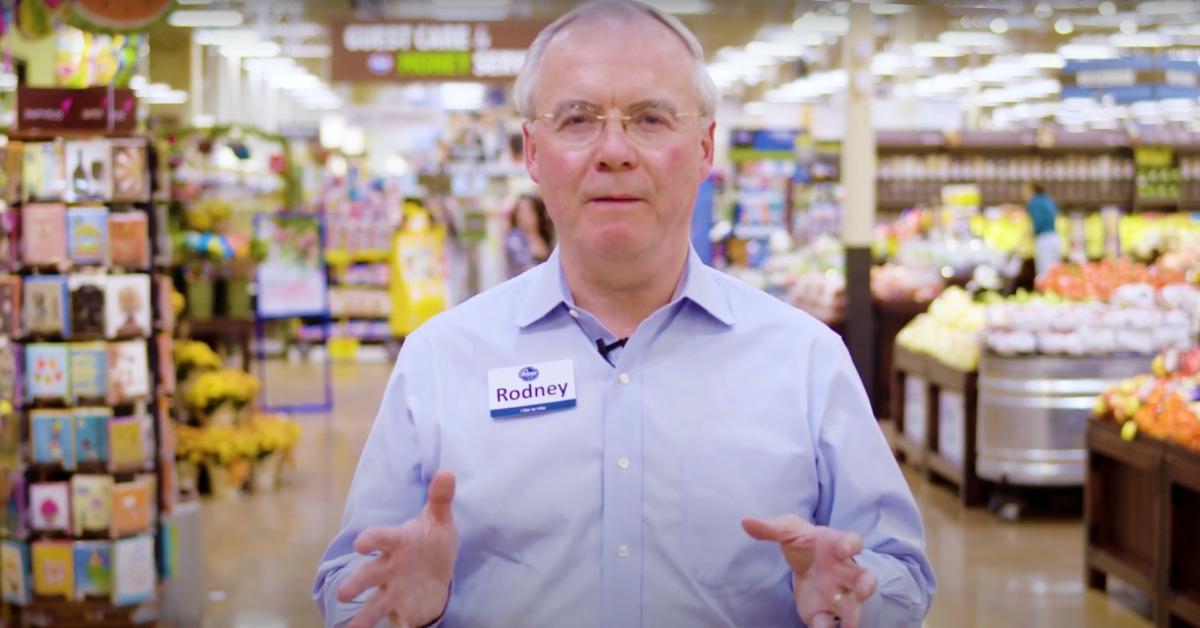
[(86, 382)]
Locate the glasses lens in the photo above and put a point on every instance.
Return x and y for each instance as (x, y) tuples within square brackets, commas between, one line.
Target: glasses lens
[(577, 125)]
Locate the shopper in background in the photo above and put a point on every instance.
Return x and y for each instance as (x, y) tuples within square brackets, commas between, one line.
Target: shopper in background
[(623, 436), (530, 235), (1044, 213)]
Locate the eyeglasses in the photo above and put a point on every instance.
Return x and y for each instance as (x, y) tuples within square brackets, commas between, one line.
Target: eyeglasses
[(580, 124)]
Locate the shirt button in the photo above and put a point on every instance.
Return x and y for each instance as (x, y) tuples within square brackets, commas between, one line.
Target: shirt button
[(573, 312), (623, 551), (623, 378), (623, 463)]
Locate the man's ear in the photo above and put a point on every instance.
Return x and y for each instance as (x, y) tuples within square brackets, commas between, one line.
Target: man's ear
[(709, 146), (530, 153)]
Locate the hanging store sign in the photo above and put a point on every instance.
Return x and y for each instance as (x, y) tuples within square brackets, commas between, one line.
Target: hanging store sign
[(94, 109), (1131, 79), (431, 51)]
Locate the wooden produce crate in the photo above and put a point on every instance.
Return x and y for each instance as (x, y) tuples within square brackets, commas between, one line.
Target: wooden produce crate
[(890, 318), (1180, 563), (1123, 510), (935, 408)]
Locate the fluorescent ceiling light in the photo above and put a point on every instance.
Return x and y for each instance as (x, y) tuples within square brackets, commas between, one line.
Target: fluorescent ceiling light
[(1043, 10), (776, 49), (295, 81), (1064, 26), (1166, 7), (1087, 51), (260, 49), (297, 30), (888, 8), (972, 39), (830, 24), (225, 36), (1043, 60), (205, 19), (1129, 27), (999, 26), (308, 51), (1139, 40), (1107, 8), (935, 50)]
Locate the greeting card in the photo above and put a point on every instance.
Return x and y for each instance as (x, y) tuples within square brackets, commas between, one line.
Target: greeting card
[(87, 235), (13, 159), (93, 569), (89, 371), (131, 171), (91, 434), (12, 490), (53, 568), (129, 240), (46, 371), (50, 507), (128, 374), (132, 507), (87, 305), (43, 233), (14, 572), (10, 439), (166, 364), (52, 436), (44, 299), (91, 502), (133, 570), (126, 447), (127, 306), (10, 306), (10, 373), (42, 175), (89, 170)]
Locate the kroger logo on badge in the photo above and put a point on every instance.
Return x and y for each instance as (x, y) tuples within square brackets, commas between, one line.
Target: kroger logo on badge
[(519, 391)]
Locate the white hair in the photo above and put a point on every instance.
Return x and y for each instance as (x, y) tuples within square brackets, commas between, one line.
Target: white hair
[(706, 90)]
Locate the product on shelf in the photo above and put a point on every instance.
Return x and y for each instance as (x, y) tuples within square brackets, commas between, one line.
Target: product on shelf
[(949, 332), (895, 282)]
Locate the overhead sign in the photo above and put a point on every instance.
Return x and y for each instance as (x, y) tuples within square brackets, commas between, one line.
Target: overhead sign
[(1131, 79), (58, 109), (431, 51)]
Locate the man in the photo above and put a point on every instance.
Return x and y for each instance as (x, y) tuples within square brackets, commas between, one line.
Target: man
[(621, 436), (1043, 211)]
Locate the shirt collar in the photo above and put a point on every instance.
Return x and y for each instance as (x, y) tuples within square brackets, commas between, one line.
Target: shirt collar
[(547, 289)]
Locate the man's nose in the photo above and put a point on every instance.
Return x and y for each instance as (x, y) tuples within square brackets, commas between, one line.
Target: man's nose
[(616, 150)]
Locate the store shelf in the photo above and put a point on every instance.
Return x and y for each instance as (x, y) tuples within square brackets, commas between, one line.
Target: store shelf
[(1185, 607), (1129, 569)]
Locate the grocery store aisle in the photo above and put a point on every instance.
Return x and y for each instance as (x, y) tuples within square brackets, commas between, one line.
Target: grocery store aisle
[(261, 552)]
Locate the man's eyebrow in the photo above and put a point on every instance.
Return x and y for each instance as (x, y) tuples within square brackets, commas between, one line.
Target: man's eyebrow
[(574, 104), (652, 104)]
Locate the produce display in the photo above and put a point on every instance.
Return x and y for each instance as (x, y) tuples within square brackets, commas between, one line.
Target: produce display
[(1136, 318), (812, 278), (894, 282), (1163, 404), (1099, 280), (949, 331)]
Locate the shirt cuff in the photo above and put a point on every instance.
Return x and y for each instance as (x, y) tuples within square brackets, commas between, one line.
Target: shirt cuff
[(896, 603)]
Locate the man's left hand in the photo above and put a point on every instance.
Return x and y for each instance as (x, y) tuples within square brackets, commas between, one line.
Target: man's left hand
[(829, 585)]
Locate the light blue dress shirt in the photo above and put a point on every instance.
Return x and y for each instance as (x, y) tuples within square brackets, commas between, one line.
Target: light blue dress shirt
[(626, 510)]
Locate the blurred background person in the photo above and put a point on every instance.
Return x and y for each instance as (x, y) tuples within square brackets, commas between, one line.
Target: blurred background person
[(530, 236), (1044, 213)]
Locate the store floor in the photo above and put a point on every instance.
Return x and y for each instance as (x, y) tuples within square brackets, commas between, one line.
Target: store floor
[(261, 552)]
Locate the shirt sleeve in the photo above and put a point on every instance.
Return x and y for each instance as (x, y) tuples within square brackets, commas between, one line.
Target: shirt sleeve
[(862, 490), (389, 487)]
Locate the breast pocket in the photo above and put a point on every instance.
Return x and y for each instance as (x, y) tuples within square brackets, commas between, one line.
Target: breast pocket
[(734, 472)]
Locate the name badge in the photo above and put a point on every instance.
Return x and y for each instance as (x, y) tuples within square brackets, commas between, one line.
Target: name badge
[(518, 391)]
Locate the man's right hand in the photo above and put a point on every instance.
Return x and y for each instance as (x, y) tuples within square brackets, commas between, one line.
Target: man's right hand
[(414, 566)]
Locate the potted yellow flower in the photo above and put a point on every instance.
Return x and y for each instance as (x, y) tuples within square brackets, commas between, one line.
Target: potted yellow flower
[(227, 455), (220, 396), (189, 454), (193, 357), (274, 436)]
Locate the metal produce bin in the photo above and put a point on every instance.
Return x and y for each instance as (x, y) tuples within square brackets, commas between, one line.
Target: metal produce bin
[(1033, 413)]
